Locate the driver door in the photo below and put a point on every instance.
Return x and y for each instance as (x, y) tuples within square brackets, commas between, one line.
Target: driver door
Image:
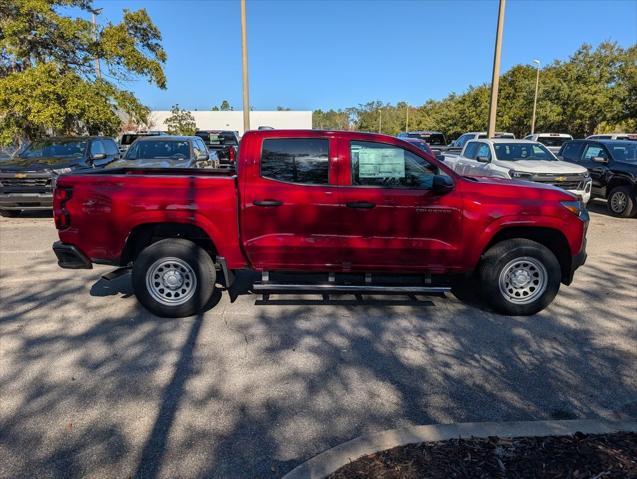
[(596, 170), (391, 218)]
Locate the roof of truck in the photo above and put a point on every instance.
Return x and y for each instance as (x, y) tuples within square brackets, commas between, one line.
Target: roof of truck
[(165, 138)]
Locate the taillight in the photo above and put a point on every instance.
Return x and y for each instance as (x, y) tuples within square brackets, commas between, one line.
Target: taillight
[(231, 154), (62, 217)]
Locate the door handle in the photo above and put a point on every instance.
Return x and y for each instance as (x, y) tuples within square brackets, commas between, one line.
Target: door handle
[(366, 205), (267, 203)]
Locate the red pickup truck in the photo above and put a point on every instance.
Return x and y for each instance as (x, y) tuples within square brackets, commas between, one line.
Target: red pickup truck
[(354, 209)]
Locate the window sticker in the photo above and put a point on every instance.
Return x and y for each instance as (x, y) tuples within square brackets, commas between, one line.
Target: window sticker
[(381, 163)]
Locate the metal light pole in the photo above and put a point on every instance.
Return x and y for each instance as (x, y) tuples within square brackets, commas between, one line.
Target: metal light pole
[(407, 120), (380, 120), (244, 65), (537, 84), (495, 79), (98, 71)]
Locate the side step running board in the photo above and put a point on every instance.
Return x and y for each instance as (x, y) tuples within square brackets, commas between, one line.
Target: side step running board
[(346, 288), (116, 273)]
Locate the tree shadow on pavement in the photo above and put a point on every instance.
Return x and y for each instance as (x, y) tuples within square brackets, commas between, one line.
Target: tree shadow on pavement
[(108, 390)]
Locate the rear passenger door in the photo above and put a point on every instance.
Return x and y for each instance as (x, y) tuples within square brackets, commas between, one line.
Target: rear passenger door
[(290, 203)]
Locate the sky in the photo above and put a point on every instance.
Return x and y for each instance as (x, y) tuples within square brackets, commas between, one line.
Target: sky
[(308, 54)]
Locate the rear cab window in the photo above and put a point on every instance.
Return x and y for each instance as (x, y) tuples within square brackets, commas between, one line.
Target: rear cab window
[(302, 161)]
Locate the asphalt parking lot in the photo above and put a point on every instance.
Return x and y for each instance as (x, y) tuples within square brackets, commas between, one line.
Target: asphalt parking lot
[(91, 385)]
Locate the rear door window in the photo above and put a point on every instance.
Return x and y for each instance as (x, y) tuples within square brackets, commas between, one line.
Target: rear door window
[(296, 160)]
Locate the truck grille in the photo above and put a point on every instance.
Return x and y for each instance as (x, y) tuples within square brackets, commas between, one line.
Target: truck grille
[(25, 182), (566, 182)]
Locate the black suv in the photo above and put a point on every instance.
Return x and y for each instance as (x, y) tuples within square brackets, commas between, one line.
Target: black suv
[(612, 165), (26, 180)]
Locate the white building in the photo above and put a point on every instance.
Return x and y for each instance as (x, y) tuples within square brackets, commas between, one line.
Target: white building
[(233, 120)]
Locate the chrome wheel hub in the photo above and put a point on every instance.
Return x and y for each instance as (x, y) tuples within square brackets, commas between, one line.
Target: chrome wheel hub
[(618, 202), (171, 281), (523, 280)]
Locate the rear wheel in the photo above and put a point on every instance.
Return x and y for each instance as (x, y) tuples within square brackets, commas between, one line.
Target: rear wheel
[(622, 203), (10, 213), (519, 277), (174, 278)]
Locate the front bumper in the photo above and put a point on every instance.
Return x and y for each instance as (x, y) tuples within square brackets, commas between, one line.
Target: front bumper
[(70, 257), (26, 201)]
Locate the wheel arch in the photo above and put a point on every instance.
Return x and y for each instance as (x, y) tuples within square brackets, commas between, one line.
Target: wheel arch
[(145, 234), (620, 180), (551, 238)]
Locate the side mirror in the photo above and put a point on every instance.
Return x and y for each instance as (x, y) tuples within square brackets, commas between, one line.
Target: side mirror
[(482, 159), (599, 159), (442, 184), (98, 156), (202, 156)]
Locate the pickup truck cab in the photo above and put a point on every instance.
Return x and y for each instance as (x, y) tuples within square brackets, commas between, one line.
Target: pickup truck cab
[(166, 151), (612, 165), (355, 208), (553, 141), (522, 160), (459, 143)]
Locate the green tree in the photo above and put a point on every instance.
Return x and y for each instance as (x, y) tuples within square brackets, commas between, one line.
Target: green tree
[(224, 106), (47, 75), (331, 120), (180, 122)]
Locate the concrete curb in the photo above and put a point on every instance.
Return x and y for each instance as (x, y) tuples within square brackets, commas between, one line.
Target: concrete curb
[(336, 457)]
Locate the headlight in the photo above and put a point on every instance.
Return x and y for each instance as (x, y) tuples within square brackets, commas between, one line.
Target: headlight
[(587, 175), (575, 207), (519, 174)]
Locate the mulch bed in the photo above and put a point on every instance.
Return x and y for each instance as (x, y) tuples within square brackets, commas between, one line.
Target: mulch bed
[(591, 456)]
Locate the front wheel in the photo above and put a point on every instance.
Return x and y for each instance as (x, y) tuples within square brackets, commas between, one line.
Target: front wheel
[(174, 278), (622, 203), (519, 277)]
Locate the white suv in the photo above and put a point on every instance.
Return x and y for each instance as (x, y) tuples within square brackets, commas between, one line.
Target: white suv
[(522, 160)]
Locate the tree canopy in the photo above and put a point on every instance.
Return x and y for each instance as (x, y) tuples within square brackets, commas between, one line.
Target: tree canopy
[(48, 81), (181, 122), (595, 90)]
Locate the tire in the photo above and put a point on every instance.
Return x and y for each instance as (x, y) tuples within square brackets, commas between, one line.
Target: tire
[(622, 203), (10, 213), (537, 280), (174, 278)]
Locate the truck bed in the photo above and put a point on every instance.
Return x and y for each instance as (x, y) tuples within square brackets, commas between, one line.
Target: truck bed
[(107, 207)]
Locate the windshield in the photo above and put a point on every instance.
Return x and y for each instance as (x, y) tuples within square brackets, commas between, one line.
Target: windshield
[(421, 144), (148, 150), (522, 151), (624, 151), (218, 138), (437, 139), (507, 136), (553, 140), (54, 149)]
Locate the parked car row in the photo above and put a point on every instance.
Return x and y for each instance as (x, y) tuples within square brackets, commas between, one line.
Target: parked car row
[(587, 168), (600, 166)]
